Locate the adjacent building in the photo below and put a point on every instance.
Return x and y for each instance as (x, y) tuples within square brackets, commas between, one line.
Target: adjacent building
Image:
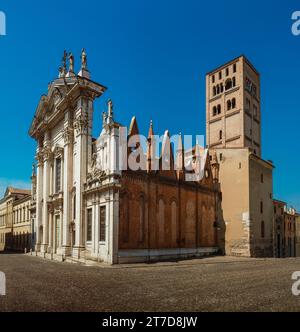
[(279, 228), (285, 230), (15, 220)]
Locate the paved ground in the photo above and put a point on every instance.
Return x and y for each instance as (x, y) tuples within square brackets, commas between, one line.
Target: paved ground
[(214, 284)]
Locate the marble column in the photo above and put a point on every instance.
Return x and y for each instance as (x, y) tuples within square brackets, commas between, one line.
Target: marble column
[(39, 198), (81, 160), (46, 182), (67, 186)]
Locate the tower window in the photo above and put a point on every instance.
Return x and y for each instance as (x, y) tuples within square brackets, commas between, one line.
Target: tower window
[(221, 134), (227, 71), (234, 68), (228, 84), (233, 82), (220, 75), (218, 89), (228, 105), (261, 207), (214, 91), (221, 87), (233, 103), (219, 109), (213, 78), (221, 156), (214, 111), (262, 178), (255, 110), (247, 104)]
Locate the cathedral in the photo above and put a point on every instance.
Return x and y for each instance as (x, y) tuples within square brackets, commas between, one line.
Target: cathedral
[(110, 199)]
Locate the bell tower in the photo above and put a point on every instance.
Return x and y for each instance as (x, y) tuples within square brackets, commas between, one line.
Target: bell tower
[(233, 118)]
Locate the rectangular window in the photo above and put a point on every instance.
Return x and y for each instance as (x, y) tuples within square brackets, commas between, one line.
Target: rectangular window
[(89, 224), (213, 78), (220, 75), (261, 207), (58, 175), (227, 71), (102, 226), (234, 68), (74, 207)]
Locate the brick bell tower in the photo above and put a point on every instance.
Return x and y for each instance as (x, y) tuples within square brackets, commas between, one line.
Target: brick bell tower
[(233, 118)]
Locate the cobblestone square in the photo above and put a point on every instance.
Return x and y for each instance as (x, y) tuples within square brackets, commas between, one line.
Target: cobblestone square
[(211, 284)]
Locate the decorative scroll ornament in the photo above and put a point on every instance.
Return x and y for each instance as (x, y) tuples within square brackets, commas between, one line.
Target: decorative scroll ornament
[(40, 158), (96, 174), (81, 125), (47, 153), (68, 135)]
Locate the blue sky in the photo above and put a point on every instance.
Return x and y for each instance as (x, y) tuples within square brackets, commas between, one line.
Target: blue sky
[(153, 56)]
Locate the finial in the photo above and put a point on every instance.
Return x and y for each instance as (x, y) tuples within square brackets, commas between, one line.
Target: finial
[(110, 108), (83, 59)]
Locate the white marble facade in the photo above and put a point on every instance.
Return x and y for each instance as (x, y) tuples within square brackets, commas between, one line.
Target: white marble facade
[(76, 199)]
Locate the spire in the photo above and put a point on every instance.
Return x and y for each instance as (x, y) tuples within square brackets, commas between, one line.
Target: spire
[(151, 146), (180, 165), (150, 133)]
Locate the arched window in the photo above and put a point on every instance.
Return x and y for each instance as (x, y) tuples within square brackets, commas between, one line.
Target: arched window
[(214, 111), (233, 82), (228, 105), (174, 222), (214, 91), (219, 109), (262, 229), (221, 134), (161, 222), (222, 87), (142, 218), (218, 89), (233, 103), (228, 84)]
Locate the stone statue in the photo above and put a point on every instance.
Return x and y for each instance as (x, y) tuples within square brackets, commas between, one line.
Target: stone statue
[(104, 118), (94, 161), (83, 59), (63, 68), (71, 60)]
